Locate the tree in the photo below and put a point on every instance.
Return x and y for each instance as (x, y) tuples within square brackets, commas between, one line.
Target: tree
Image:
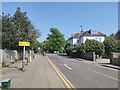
[(0, 32), (118, 46), (46, 46), (18, 28), (7, 35), (56, 40), (80, 48), (94, 46), (37, 46), (68, 48), (110, 44)]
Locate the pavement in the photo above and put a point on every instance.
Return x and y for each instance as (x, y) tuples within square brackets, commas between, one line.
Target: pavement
[(38, 74), (86, 74)]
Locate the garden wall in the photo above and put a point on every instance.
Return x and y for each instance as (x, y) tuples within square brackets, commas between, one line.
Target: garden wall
[(8, 55), (115, 58), (88, 56)]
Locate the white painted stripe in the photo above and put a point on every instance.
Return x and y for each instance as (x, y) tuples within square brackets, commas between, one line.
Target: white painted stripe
[(82, 60), (67, 66), (75, 60), (104, 74), (94, 64)]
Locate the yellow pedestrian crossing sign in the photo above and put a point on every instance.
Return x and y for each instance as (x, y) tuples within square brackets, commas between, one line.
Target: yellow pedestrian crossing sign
[(24, 43)]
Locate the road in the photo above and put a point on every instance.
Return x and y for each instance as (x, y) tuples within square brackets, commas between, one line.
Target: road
[(38, 74), (85, 75)]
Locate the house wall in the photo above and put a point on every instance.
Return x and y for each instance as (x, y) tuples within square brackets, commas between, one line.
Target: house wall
[(81, 39), (70, 41), (98, 38), (75, 40), (84, 38)]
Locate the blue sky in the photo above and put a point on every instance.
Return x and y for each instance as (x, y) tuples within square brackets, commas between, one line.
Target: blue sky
[(67, 17)]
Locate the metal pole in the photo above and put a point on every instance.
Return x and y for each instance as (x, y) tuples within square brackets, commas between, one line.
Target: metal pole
[(24, 53), (81, 27), (30, 56), (23, 62)]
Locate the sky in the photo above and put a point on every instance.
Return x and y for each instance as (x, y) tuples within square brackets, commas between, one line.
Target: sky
[(68, 16)]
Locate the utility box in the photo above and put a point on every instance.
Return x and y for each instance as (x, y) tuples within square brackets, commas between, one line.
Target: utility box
[(6, 83)]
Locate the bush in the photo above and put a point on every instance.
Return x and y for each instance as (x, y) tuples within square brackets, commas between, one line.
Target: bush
[(5, 65), (74, 53), (94, 46), (68, 49)]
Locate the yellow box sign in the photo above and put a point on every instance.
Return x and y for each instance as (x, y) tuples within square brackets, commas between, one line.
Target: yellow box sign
[(24, 43)]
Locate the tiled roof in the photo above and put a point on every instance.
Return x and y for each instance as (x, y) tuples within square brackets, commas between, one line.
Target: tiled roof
[(77, 35), (87, 33), (117, 36), (93, 33)]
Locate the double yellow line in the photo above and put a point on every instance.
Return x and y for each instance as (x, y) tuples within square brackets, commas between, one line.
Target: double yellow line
[(67, 83)]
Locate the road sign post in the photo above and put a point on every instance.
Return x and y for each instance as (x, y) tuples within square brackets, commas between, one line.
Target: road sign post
[(24, 44), (23, 53), (30, 56)]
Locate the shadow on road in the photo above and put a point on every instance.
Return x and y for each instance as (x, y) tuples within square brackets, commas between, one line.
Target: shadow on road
[(102, 64), (64, 55)]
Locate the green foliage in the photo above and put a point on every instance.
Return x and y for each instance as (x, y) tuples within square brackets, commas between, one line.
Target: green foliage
[(118, 46), (36, 46), (80, 48), (17, 28), (68, 49), (110, 45), (88, 46), (46, 45), (5, 65), (94, 46), (0, 32), (56, 40), (74, 53)]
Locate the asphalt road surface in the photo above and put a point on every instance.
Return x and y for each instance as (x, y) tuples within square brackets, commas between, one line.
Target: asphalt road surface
[(38, 74), (85, 75)]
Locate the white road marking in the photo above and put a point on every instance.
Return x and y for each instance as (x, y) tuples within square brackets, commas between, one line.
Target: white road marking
[(94, 64), (104, 74), (82, 60), (67, 66), (75, 60)]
